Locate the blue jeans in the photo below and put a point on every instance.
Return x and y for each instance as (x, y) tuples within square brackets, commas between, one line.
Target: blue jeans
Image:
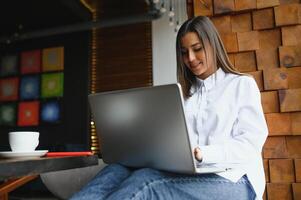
[(118, 182)]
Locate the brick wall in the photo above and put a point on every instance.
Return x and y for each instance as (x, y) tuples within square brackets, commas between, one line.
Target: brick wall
[(263, 38)]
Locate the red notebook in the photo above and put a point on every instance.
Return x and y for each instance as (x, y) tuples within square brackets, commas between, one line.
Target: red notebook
[(61, 154)]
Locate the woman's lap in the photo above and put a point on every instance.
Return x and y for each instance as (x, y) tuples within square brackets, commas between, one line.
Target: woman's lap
[(104, 183), (151, 184)]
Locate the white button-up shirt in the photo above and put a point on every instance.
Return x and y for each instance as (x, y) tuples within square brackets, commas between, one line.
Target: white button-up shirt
[(225, 119)]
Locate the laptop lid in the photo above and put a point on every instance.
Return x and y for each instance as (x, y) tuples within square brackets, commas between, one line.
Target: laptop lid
[(143, 127)]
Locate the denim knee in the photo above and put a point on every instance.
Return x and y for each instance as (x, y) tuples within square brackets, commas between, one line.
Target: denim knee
[(115, 166), (193, 189), (147, 172)]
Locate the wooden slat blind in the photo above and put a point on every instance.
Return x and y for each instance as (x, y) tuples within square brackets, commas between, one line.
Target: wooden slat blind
[(121, 57), (124, 57)]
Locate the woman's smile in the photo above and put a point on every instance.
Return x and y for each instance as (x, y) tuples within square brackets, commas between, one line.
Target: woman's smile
[(194, 55), (196, 65)]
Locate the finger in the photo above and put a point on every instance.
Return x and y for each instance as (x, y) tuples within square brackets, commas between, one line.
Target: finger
[(198, 154)]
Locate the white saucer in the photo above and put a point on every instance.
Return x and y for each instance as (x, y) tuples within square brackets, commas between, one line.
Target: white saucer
[(33, 154)]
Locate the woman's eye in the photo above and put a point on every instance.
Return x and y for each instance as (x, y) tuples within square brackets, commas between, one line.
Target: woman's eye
[(198, 49)]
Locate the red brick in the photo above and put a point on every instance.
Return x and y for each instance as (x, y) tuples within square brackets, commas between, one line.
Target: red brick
[(267, 3), (230, 42), (269, 39), (248, 41), (263, 19), (290, 56), (290, 100), (296, 123), (270, 102), (258, 78), (241, 22), (264, 197), (275, 147), (282, 2), (287, 14), (245, 4), (223, 6), (267, 58), (203, 8), (291, 35), (281, 171), (231, 58), (293, 146), (294, 77), (279, 191), (297, 190), (222, 24), (279, 123), (275, 78), (266, 169), (245, 62), (298, 169)]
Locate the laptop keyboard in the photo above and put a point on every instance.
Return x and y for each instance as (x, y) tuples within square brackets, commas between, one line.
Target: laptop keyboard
[(207, 165)]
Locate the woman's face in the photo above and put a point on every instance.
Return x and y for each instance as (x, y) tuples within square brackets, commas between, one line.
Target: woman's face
[(194, 56)]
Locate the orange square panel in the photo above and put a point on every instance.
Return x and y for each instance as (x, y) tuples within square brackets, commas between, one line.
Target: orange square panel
[(28, 113)]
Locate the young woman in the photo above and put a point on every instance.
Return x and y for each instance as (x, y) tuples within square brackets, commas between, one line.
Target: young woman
[(225, 120)]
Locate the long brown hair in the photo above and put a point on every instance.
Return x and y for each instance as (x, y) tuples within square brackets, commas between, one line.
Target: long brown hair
[(209, 36)]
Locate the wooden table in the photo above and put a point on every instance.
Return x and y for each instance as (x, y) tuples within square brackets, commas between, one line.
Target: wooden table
[(16, 172)]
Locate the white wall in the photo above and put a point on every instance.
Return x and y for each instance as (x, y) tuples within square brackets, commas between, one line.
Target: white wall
[(164, 47)]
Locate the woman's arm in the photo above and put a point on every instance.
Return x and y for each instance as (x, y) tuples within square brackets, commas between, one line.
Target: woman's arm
[(249, 131)]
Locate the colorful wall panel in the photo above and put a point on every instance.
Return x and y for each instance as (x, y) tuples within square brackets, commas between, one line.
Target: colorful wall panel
[(31, 62), (28, 114), (9, 65), (52, 85), (8, 114), (53, 59), (9, 89), (51, 112), (30, 87), (31, 90)]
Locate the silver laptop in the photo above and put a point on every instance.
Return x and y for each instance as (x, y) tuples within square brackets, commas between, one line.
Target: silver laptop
[(145, 127)]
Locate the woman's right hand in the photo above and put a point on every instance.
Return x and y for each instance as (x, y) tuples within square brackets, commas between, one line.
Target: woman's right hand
[(198, 154)]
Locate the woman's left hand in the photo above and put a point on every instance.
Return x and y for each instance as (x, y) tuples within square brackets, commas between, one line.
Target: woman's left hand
[(198, 154)]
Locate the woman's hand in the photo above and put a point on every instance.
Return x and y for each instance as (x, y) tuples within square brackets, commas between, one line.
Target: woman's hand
[(198, 154)]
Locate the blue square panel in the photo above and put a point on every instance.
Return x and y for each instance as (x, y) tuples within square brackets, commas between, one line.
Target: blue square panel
[(30, 87), (51, 111)]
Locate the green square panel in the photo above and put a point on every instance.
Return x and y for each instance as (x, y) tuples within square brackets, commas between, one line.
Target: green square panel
[(52, 85), (8, 114)]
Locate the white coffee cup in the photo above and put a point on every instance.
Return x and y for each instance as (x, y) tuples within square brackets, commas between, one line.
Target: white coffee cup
[(23, 141)]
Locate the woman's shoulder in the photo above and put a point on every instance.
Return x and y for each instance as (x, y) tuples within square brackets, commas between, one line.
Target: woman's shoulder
[(243, 81), (245, 78)]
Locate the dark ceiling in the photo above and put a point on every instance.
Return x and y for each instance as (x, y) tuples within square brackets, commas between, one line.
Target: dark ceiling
[(17, 16), (25, 19)]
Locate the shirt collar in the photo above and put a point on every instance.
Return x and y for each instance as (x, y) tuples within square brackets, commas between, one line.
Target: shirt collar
[(209, 82)]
